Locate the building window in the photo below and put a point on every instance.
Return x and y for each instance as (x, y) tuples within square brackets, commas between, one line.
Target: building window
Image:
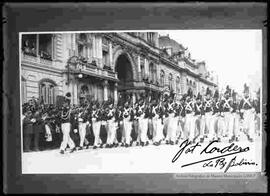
[(47, 92), (142, 70), (162, 78), (29, 44), (45, 46), (170, 81), (105, 60), (178, 84)]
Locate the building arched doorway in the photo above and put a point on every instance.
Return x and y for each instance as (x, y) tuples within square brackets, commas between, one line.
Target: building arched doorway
[(123, 67)]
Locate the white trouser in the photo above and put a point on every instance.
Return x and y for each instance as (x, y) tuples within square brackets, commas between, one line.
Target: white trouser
[(221, 126), (165, 127), (96, 129), (190, 126), (208, 119), (158, 130), (214, 132), (66, 137), (82, 132), (234, 130), (202, 126), (197, 124), (179, 130), (112, 126), (228, 122), (249, 123), (48, 133), (143, 127), (170, 126), (127, 124)]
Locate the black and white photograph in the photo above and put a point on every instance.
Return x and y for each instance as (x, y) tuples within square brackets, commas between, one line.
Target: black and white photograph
[(141, 101), (164, 97)]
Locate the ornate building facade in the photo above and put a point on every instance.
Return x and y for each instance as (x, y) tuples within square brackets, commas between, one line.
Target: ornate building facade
[(99, 66)]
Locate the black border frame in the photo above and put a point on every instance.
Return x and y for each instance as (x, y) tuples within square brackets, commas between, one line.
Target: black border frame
[(27, 17)]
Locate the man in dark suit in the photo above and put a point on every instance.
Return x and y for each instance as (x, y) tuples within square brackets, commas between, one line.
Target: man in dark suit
[(27, 129)]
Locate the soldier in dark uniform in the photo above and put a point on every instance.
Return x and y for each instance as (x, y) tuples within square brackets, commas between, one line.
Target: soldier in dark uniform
[(38, 128), (27, 129)]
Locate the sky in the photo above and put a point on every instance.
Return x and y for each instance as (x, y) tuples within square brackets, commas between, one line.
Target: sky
[(234, 55)]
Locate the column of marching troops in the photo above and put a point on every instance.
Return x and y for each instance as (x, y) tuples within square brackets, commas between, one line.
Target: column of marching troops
[(200, 118)]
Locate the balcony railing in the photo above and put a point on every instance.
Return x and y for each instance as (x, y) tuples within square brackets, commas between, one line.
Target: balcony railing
[(33, 58)]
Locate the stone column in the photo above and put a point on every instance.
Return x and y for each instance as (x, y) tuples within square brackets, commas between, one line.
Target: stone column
[(115, 93), (110, 54), (105, 90), (139, 68), (146, 67)]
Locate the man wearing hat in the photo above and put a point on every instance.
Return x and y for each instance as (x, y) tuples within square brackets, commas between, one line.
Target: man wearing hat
[(226, 104), (248, 110), (189, 127), (235, 119), (208, 103), (142, 116), (95, 117), (112, 125), (27, 128), (216, 119), (199, 118), (157, 116), (127, 123), (82, 124), (66, 118)]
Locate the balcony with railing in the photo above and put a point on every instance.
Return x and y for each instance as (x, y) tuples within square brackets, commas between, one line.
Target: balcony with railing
[(92, 67)]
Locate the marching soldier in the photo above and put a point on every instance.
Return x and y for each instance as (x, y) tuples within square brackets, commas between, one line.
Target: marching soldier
[(96, 123), (172, 122), (66, 118), (199, 119), (235, 119), (216, 118), (208, 133), (112, 125), (82, 124), (142, 115), (127, 123), (189, 127), (248, 110), (157, 115), (226, 109)]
